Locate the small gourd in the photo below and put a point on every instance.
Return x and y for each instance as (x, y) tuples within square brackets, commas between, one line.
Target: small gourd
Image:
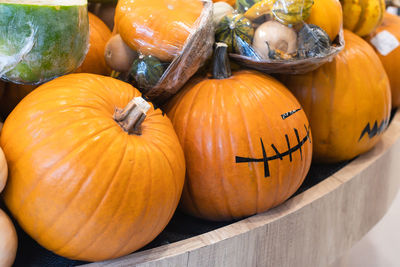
[(220, 10), (146, 72), (312, 41), (234, 27), (271, 36), (292, 12)]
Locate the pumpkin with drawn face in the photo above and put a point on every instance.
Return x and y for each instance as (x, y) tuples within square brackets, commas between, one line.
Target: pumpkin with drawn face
[(246, 139), (347, 101)]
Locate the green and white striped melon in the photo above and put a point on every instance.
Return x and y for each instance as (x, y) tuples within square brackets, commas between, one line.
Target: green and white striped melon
[(235, 31), (42, 39)]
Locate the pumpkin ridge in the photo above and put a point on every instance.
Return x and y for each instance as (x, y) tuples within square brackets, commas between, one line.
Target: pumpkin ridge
[(250, 144), (280, 178), (84, 181), (225, 184), (273, 89), (189, 109), (22, 201), (143, 211), (108, 187)]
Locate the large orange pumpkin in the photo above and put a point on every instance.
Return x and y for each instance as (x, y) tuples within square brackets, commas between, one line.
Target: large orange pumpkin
[(157, 27), (327, 14), (82, 184), (246, 140), (99, 36), (347, 101), (12, 95), (390, 27)]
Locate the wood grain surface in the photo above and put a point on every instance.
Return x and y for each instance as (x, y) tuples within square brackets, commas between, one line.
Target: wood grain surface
[(314, 228)]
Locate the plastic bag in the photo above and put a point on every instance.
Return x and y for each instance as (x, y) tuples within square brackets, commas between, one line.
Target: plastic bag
[(278, 36), (41, 41), (164, 43)]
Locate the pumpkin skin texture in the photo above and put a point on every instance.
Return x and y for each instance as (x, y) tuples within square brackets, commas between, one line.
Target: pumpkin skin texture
[(391, 62), (79, 184), (157, 27), (328, 15), (8, 240), (217, 120), (230, 2), (342, 99), (99, 36)]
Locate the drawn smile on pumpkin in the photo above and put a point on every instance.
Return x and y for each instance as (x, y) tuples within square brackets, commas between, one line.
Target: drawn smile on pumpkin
[(278, 155), (376, 130)]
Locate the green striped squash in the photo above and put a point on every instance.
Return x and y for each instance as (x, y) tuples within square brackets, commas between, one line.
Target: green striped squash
[(146, 71), (234, 30), (292, 12)]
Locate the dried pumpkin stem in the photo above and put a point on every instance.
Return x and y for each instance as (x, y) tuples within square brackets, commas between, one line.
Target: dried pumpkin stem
[(221, 66), (131, 117)]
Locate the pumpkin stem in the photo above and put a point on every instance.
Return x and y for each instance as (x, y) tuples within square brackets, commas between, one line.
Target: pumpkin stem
[(221, 66), (131, 117)]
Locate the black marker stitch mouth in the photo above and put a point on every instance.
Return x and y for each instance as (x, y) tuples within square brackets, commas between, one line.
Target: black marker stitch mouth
[(290, 113), (278, 155), (376, 130)]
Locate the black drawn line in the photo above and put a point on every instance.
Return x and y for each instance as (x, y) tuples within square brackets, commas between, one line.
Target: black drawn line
[(290, 113), (375, 129), (265, 159)]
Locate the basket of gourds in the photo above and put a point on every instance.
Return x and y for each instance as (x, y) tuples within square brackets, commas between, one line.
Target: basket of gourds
[(280, 36)]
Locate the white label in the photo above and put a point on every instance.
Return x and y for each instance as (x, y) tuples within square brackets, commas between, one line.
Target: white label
[(392, 10), (385, 42)]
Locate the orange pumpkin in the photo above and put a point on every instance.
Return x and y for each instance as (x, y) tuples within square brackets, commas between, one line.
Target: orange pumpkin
[(99, 36), (157, 27), (86, 180), (13, 94), (347, 101), (390, 59), (246, 140), (327, 14), (230, 2)]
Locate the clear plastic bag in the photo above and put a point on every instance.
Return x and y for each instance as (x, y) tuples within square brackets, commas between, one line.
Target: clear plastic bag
[(278, 36), (167, 41), (40, 41)]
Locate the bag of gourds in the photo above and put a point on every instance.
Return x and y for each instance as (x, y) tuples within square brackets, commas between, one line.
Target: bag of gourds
[(159, 44), (280, 36)]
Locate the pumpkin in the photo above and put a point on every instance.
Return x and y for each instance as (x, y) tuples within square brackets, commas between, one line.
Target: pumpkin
[(157, 27), (13, 94), (327, 14), (230, 2), (8, 240), (233, 27), (89, 180), (146, 72), (246, 140), (389, 33), (347, 101), (99, 35), (362, 16)]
